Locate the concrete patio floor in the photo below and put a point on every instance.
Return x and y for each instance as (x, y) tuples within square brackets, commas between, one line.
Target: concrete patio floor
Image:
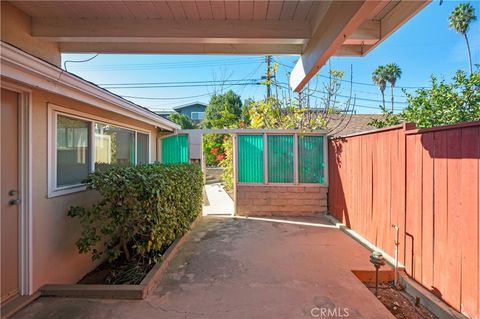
[(245, 268)]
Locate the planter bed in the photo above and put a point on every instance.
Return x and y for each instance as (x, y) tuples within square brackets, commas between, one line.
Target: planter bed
[(139, 291), (400, 304)]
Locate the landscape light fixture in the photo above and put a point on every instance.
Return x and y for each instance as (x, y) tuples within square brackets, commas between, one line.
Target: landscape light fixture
[(376, 258)]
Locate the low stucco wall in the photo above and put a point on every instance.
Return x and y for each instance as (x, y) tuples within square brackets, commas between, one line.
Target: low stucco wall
[(267, 200), (55, 256)]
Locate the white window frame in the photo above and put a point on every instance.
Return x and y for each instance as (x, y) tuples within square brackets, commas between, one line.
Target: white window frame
[(197, 119), (53, 112)]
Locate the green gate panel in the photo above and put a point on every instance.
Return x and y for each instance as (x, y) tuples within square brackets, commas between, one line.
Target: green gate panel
[(280, 158), (250, 158), (310, 159), (175, 149)]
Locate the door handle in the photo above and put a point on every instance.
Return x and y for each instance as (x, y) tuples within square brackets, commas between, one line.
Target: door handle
[(14, 202), (12, 192)]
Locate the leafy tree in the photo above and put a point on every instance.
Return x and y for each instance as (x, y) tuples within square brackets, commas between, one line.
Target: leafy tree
[(181, 119), (460, 20), (442, 104), (389, 119), (270, 113), (445, 103), (393, 73), (379, 77), (223, 110)]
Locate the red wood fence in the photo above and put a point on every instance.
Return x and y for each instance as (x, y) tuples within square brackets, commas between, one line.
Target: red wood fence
[(426, 181)]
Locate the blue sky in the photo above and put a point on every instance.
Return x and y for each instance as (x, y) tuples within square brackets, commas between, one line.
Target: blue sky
[(423, 46)]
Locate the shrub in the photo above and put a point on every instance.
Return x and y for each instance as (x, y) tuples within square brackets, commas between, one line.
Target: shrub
[(227, 162), (212, 148), (142, 210)]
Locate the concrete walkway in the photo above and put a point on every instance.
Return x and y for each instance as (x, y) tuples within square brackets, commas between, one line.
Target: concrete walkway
[(220, 202), (246, 268)]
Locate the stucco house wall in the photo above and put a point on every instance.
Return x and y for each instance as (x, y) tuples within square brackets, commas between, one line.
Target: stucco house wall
[(55, 256)]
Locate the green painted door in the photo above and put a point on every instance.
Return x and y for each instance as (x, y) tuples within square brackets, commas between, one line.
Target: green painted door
[(175, 149)]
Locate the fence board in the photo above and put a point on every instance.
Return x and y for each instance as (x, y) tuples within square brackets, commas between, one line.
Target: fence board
[(440, 268), (454, 151), (469, 186), (427, 182), (427, 210)]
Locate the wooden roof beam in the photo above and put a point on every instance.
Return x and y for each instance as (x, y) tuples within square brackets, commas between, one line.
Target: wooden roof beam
[(396, 17), (367, 34), (341, 20), (177, 31), (181, 48)]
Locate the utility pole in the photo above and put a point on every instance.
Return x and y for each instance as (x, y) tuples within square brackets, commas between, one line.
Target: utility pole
[(268, 75)]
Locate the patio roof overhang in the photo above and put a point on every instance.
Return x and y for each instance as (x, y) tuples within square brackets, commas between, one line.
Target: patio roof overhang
[(315, 30)]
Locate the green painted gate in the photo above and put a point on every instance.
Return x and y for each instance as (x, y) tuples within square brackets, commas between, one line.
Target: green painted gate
[(250, 158), (175, 149), (280, 163), (311, 160), (280, 158)]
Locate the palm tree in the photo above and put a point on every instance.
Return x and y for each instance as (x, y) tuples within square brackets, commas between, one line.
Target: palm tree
[(379, 78), (460, 20), (393, 73)]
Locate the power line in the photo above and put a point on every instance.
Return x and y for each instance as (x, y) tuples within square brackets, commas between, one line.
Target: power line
[(345, 96), (237, 82), (340, 102), (166, 65), (163, 98), (169, 84), (361, 83), (194, 62), (194, 96), (180, 85)]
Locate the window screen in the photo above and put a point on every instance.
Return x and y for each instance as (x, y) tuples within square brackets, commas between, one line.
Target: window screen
[(114, 145), (250, 158), (310, 159), (280, 158), (198, 115), (72, 151)]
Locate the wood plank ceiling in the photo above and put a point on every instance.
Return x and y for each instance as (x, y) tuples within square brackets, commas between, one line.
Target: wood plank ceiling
[(316, 30), (173, 10)]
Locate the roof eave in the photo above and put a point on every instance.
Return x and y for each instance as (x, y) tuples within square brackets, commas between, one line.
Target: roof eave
[(26, 68)]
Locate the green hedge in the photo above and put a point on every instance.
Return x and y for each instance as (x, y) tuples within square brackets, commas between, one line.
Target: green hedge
[(142, 210)]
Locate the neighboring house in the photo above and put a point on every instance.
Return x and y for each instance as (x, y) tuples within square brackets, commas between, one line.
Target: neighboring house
[(194, 111), (346, 124), (164, 113)]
